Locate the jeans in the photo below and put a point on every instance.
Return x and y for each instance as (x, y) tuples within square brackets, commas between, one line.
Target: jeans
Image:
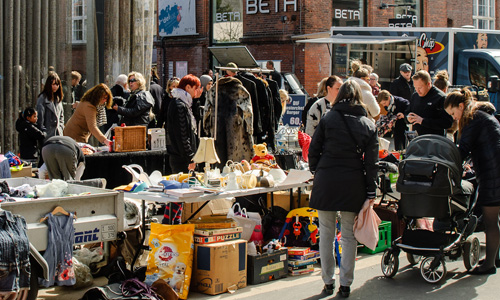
[(14, 252), (327, 229)]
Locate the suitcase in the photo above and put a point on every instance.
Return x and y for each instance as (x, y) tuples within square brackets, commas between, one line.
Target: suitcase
[(389, 213)]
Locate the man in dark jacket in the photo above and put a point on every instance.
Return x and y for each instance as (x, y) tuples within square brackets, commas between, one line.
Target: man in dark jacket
[(157, 92), (274, 75), (426, 111), (396, 107), (403, 85)]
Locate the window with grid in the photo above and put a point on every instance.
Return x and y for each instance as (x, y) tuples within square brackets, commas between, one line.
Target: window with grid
[(79, 21), (483, 14)]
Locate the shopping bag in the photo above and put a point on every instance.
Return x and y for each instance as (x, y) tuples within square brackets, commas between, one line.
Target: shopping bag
[(366, 226), (240, 216)]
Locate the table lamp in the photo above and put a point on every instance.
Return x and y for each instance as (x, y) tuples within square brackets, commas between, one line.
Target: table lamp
[(206, 153)]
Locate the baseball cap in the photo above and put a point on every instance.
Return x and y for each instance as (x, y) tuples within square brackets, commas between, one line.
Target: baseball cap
[(405, 67)]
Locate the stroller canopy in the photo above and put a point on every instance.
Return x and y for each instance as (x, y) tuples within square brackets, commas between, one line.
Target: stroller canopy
[(438, 149)]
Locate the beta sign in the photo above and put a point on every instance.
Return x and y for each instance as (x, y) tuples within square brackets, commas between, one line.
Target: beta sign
[(293, 114)]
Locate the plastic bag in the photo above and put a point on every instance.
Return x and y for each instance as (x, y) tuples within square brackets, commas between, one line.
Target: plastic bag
[(82, 274), (171, 255), (56, 188), (366, 226), (87, 256)]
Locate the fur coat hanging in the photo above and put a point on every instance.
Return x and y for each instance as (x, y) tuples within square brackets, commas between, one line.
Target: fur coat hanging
[(234, 120)]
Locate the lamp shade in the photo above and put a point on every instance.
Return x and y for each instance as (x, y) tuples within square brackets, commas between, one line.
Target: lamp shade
[(206, 152)]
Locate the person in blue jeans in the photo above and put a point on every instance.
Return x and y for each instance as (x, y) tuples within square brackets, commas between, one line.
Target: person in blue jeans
[(343, 154)]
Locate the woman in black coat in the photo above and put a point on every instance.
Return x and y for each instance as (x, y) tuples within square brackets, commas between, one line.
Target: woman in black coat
[(343, 154), (479, 135)]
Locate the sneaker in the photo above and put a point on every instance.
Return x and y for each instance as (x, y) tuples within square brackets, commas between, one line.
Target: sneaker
[(329, 288), (344, 291)]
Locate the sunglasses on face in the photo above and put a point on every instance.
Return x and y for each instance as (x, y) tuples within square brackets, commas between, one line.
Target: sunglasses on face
[(132, 80)]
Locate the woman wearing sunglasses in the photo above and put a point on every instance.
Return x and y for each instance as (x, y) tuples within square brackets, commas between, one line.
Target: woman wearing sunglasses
[(49, 107), (138, 106)]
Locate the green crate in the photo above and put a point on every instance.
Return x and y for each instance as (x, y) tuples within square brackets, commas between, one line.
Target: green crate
[(384, 238)]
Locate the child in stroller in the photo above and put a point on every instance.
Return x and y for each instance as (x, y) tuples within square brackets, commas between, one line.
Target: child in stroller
[(431, 186)]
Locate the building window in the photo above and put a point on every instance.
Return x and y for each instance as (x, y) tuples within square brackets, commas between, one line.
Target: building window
[(79, 21), (483, 14)]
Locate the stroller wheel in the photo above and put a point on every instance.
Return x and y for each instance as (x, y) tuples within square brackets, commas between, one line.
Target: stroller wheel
[(471, 252), (431, 273), (390, 263), (413, 259)]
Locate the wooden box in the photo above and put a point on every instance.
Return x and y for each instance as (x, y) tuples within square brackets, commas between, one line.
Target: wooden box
[(130, 138)]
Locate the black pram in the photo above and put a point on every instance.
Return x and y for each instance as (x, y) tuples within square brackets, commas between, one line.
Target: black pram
[(431, 186)]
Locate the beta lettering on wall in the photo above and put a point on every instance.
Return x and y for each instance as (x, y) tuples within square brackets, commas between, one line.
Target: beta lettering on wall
[(262, 6), (347, 14)]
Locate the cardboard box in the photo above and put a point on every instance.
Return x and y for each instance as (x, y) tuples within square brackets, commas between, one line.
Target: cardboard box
[(220, 266), (157, 139), (217, 207), (282, 199), (25, 172), (267, 267)]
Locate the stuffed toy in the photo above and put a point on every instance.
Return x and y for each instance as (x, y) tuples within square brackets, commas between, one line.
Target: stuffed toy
[(262, 156)]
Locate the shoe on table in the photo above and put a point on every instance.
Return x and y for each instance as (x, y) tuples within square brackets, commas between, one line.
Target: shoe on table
[(328, 289), (344, 291)]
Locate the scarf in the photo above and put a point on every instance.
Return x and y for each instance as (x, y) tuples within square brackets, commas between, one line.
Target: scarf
[(390, 109), (101, 116), (186, 98)]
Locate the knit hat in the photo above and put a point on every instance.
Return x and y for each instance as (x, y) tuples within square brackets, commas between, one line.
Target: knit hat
[(205, 79), (405, 68)]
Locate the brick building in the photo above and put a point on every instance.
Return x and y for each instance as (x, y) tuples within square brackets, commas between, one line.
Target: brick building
[(269, 29)]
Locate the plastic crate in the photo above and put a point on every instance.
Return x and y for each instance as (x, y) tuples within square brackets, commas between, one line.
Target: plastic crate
[(130, 138), (384, 238)]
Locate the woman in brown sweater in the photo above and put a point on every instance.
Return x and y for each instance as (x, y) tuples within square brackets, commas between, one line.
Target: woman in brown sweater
[(84, 120)]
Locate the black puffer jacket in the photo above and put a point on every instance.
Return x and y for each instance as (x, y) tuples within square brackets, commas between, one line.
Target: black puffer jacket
[(342, 181), (182, 141), (481, 139), (137, 109), (30, 138)]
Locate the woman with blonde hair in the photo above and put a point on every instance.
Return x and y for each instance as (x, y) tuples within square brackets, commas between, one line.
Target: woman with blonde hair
[(320, 93), (172, 83), (137, 110), (89, 115), (361, 74), (480, 139)]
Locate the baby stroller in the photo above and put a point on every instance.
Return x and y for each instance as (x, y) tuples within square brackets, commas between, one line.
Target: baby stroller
[(431, 185)]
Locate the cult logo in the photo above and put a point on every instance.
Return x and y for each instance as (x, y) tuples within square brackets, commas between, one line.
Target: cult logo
[(429, 44)]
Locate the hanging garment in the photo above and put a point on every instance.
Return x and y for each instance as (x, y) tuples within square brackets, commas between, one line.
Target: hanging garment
[(14, 253), (234, 120), (59, 253)]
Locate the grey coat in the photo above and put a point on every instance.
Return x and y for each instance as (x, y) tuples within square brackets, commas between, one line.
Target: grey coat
[(50, 116)]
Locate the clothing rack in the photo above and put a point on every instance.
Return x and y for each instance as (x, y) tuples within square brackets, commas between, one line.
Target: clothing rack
[(251, 70)]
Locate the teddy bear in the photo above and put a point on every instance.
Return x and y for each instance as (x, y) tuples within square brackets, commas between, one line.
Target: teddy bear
[(262, 157)]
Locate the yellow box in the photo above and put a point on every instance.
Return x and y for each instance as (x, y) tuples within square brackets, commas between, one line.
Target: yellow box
[(130, 138)]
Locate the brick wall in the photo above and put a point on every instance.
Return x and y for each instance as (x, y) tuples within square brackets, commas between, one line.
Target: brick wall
[(459, 13), (79, 59)]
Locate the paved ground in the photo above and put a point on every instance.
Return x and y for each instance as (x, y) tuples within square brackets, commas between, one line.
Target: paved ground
[(368, 284)]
